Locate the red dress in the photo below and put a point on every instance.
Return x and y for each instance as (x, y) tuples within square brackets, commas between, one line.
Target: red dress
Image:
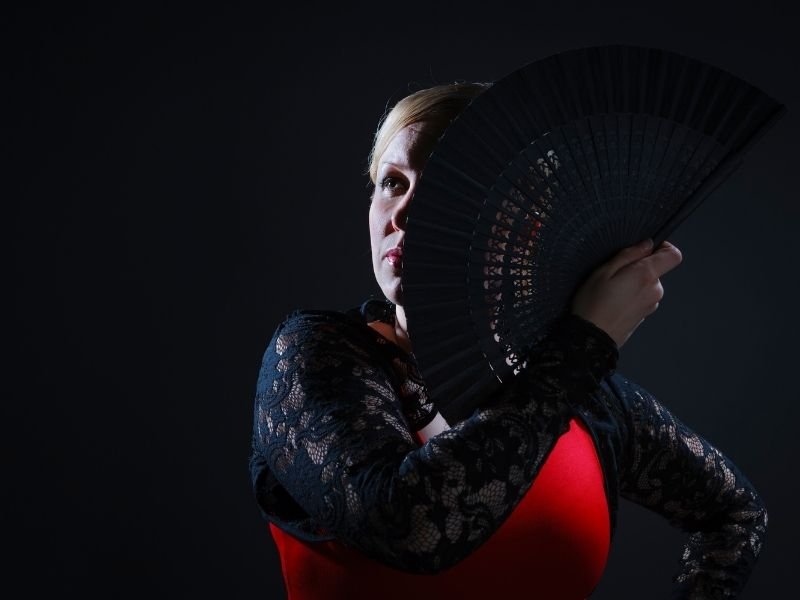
[(554, 545)]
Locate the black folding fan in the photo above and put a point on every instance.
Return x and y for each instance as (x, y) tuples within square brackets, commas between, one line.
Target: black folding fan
[(545, 176)]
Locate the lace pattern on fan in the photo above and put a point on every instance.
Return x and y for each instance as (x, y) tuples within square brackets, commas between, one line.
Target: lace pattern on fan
[(564, 205), (505, 258)]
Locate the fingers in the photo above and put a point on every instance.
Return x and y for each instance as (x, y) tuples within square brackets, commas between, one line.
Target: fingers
[(623, 291), (664, 259), (627, 256)]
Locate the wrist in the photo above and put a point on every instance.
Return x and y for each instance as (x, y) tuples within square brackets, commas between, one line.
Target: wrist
[(583, 345)]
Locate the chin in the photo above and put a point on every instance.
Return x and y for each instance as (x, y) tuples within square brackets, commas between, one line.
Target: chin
[(393, 290)]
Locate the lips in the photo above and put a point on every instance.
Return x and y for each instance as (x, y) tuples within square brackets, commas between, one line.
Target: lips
[(394, 256)]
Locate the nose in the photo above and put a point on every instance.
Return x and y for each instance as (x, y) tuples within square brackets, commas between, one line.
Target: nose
[(400, 212), (399, 219)]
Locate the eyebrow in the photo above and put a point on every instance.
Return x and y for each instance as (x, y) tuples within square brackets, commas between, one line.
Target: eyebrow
[(394, 164)]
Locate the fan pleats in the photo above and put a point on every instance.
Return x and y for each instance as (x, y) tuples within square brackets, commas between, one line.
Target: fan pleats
[(544, 177)]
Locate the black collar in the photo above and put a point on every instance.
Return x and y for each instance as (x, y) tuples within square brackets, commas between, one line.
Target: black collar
[(375, 309)]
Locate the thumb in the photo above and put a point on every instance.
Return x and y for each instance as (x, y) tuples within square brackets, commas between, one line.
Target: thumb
[(629, 255)]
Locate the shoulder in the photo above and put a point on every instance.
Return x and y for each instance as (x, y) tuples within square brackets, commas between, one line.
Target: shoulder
[(317, 340), (310, 325), (307, 318), (624, 399), (624, 388), (631, 399), (638, 409), (311, 328), (306, 329), (637, 403)]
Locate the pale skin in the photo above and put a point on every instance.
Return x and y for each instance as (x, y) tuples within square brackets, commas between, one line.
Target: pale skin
[(617, 296)]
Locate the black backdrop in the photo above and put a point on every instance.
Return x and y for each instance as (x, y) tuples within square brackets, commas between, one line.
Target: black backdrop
[(179, 179)]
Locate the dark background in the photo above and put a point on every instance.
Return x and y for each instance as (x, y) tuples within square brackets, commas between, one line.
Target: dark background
[(180, 178)]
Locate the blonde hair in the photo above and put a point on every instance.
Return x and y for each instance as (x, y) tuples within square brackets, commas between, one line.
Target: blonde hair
[(437, 106)]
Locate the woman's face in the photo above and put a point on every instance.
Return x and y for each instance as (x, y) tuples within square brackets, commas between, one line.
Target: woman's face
[(399, 169)]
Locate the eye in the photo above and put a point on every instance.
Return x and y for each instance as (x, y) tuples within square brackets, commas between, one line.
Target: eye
[(389, 183)]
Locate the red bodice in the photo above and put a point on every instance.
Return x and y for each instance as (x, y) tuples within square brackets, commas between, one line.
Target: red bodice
[(554, 545)]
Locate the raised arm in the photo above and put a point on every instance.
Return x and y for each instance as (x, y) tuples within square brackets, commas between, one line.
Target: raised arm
[(678, 474), (332, 448)]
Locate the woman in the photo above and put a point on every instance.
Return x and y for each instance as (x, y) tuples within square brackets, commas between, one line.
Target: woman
[(370, 493)]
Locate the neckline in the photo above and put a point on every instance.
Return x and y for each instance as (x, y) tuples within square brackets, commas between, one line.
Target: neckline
[(381, 310)]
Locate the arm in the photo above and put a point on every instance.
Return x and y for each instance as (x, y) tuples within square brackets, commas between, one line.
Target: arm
[(329, 427), (676, 473)]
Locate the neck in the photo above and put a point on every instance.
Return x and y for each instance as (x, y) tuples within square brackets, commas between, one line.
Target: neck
[(397, 334), (401, 329)]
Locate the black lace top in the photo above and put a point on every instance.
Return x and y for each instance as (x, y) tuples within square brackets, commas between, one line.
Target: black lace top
[(334, 453)]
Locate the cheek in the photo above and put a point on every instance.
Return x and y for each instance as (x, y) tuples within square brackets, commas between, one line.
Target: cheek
[(374, 227)]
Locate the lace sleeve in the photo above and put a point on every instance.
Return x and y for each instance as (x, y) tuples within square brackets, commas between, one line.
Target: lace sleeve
[(678, 474), (331, 438)]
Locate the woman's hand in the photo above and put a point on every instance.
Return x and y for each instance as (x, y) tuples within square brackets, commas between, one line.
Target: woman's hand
[(619, 294)]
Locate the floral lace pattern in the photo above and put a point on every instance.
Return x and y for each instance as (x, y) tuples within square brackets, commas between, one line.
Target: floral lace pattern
[(676, 473), (334, 453)]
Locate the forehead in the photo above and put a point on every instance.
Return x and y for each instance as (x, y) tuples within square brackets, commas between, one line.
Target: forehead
[(409, 148)]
